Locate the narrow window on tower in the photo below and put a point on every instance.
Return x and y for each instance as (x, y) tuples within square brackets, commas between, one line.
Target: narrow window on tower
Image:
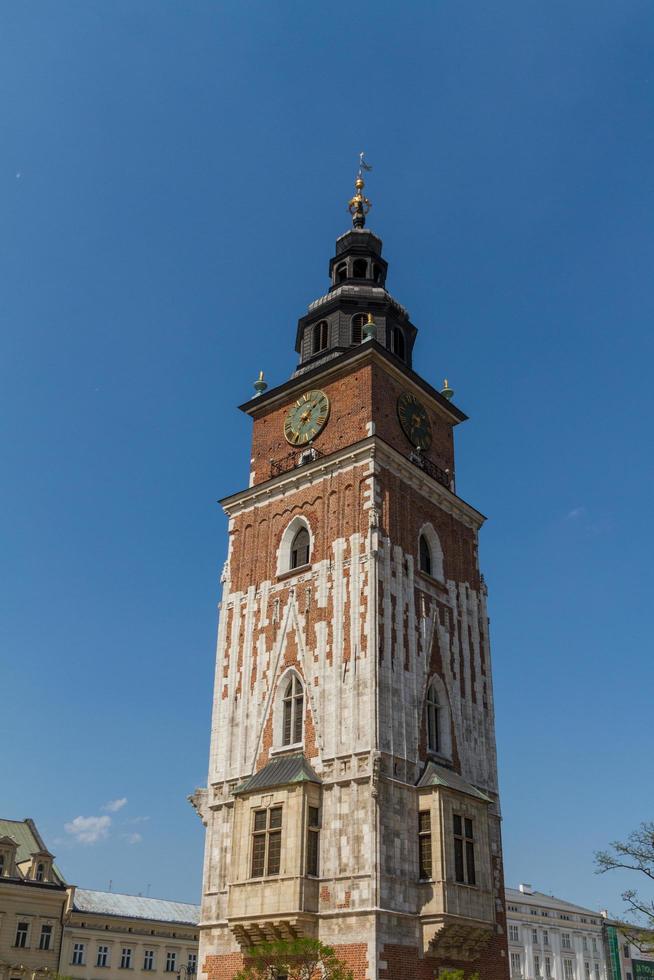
[(358, 322), (424, 844), (266, 842), (320, 336), (397, 342), (425, 555), (341, 272), (313, 841), (464, 850), (292, 711), (39, 872), (360, 269), (377, 273), (433, 719), (300, 549)]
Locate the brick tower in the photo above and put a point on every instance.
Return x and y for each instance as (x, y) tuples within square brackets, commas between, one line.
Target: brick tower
[(352, 791)]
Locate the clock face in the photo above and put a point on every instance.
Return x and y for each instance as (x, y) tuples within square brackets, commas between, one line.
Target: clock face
[(306, 418), (414, 420)]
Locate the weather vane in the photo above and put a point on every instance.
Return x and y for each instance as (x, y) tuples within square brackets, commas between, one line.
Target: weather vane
[(359, 205)]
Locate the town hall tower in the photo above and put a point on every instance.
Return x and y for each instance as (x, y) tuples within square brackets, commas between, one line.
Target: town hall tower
[(352, 792)]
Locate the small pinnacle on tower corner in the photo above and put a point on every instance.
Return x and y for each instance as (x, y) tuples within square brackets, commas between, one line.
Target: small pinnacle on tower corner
[(260, 385), (446, 391), (358, 206)]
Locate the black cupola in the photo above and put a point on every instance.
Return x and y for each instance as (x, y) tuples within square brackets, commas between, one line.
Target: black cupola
[(335, 322)]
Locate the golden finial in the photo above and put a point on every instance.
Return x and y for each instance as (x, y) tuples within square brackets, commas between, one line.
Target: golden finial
[(358, 206), (370, 328), (446, 391), (260, 385)]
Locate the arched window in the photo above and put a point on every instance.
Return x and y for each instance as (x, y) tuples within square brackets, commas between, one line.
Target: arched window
[(292, 711), (39, 872), (430, 553), (341, 272), (433, 719), (2, 865), (357, 327), (320, 336), (397, 342), (360, 269), (425, 555), (377, 273), (300, 548)]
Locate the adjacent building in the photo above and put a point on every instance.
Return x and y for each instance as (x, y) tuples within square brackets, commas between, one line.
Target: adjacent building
[(352, 789), (626, 960), (112, 936), (552, 939), (48, 927), (32, 901)]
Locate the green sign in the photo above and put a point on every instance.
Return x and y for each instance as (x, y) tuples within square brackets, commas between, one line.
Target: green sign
[(643, 969)]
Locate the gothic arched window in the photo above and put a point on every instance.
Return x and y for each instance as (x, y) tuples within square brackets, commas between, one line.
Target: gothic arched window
[(425, 555), (397, 342), (300, 548), (320, 336), (360, 269), (433, 719), (357, 327), (292, 711)]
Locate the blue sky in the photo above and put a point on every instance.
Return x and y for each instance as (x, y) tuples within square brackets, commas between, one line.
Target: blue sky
[(172, 180)]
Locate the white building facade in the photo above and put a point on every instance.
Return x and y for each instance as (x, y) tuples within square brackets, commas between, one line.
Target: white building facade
[(550, 939)]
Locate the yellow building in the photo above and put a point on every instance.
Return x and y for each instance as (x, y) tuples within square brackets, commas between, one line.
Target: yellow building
[(33, 897), (108, 936)]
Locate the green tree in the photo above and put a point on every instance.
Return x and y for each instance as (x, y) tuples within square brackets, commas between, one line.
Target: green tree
[(636, 853), (296, 959)]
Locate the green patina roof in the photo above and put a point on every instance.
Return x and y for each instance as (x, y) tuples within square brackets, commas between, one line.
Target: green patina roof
[(440, 776), (280, 772), (29, 841)]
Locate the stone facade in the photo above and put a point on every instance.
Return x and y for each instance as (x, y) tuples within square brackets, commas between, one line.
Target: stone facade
[(364, 631)]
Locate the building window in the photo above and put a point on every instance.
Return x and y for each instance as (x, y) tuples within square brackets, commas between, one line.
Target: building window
[(546, 937), (587, 971), (78, 954), (266, 842), (534, 935), (39, 872), (594, 942), (584, 943), (126, 958), (625, 950), (313, 841), (568, 970), (292, 710), (320, 336), (2, 865), (360, 269), (21, 935), (597, 972), (192, 963), (464, 850), (45, 942), (103, 956), (425, 555), (514, 934), (148, 959), (433, 719), (358, 322), (398, 346), (548, 968), (516, 965), (171, 962), (424, 844), (341, 272), (565, 940), (300, 549), (537, 965)]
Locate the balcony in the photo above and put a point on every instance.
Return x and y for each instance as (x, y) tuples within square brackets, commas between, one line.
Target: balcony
[(299, 457), (431, 469)]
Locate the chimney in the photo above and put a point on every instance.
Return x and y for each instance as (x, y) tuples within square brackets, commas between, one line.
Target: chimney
[(526, 889)]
